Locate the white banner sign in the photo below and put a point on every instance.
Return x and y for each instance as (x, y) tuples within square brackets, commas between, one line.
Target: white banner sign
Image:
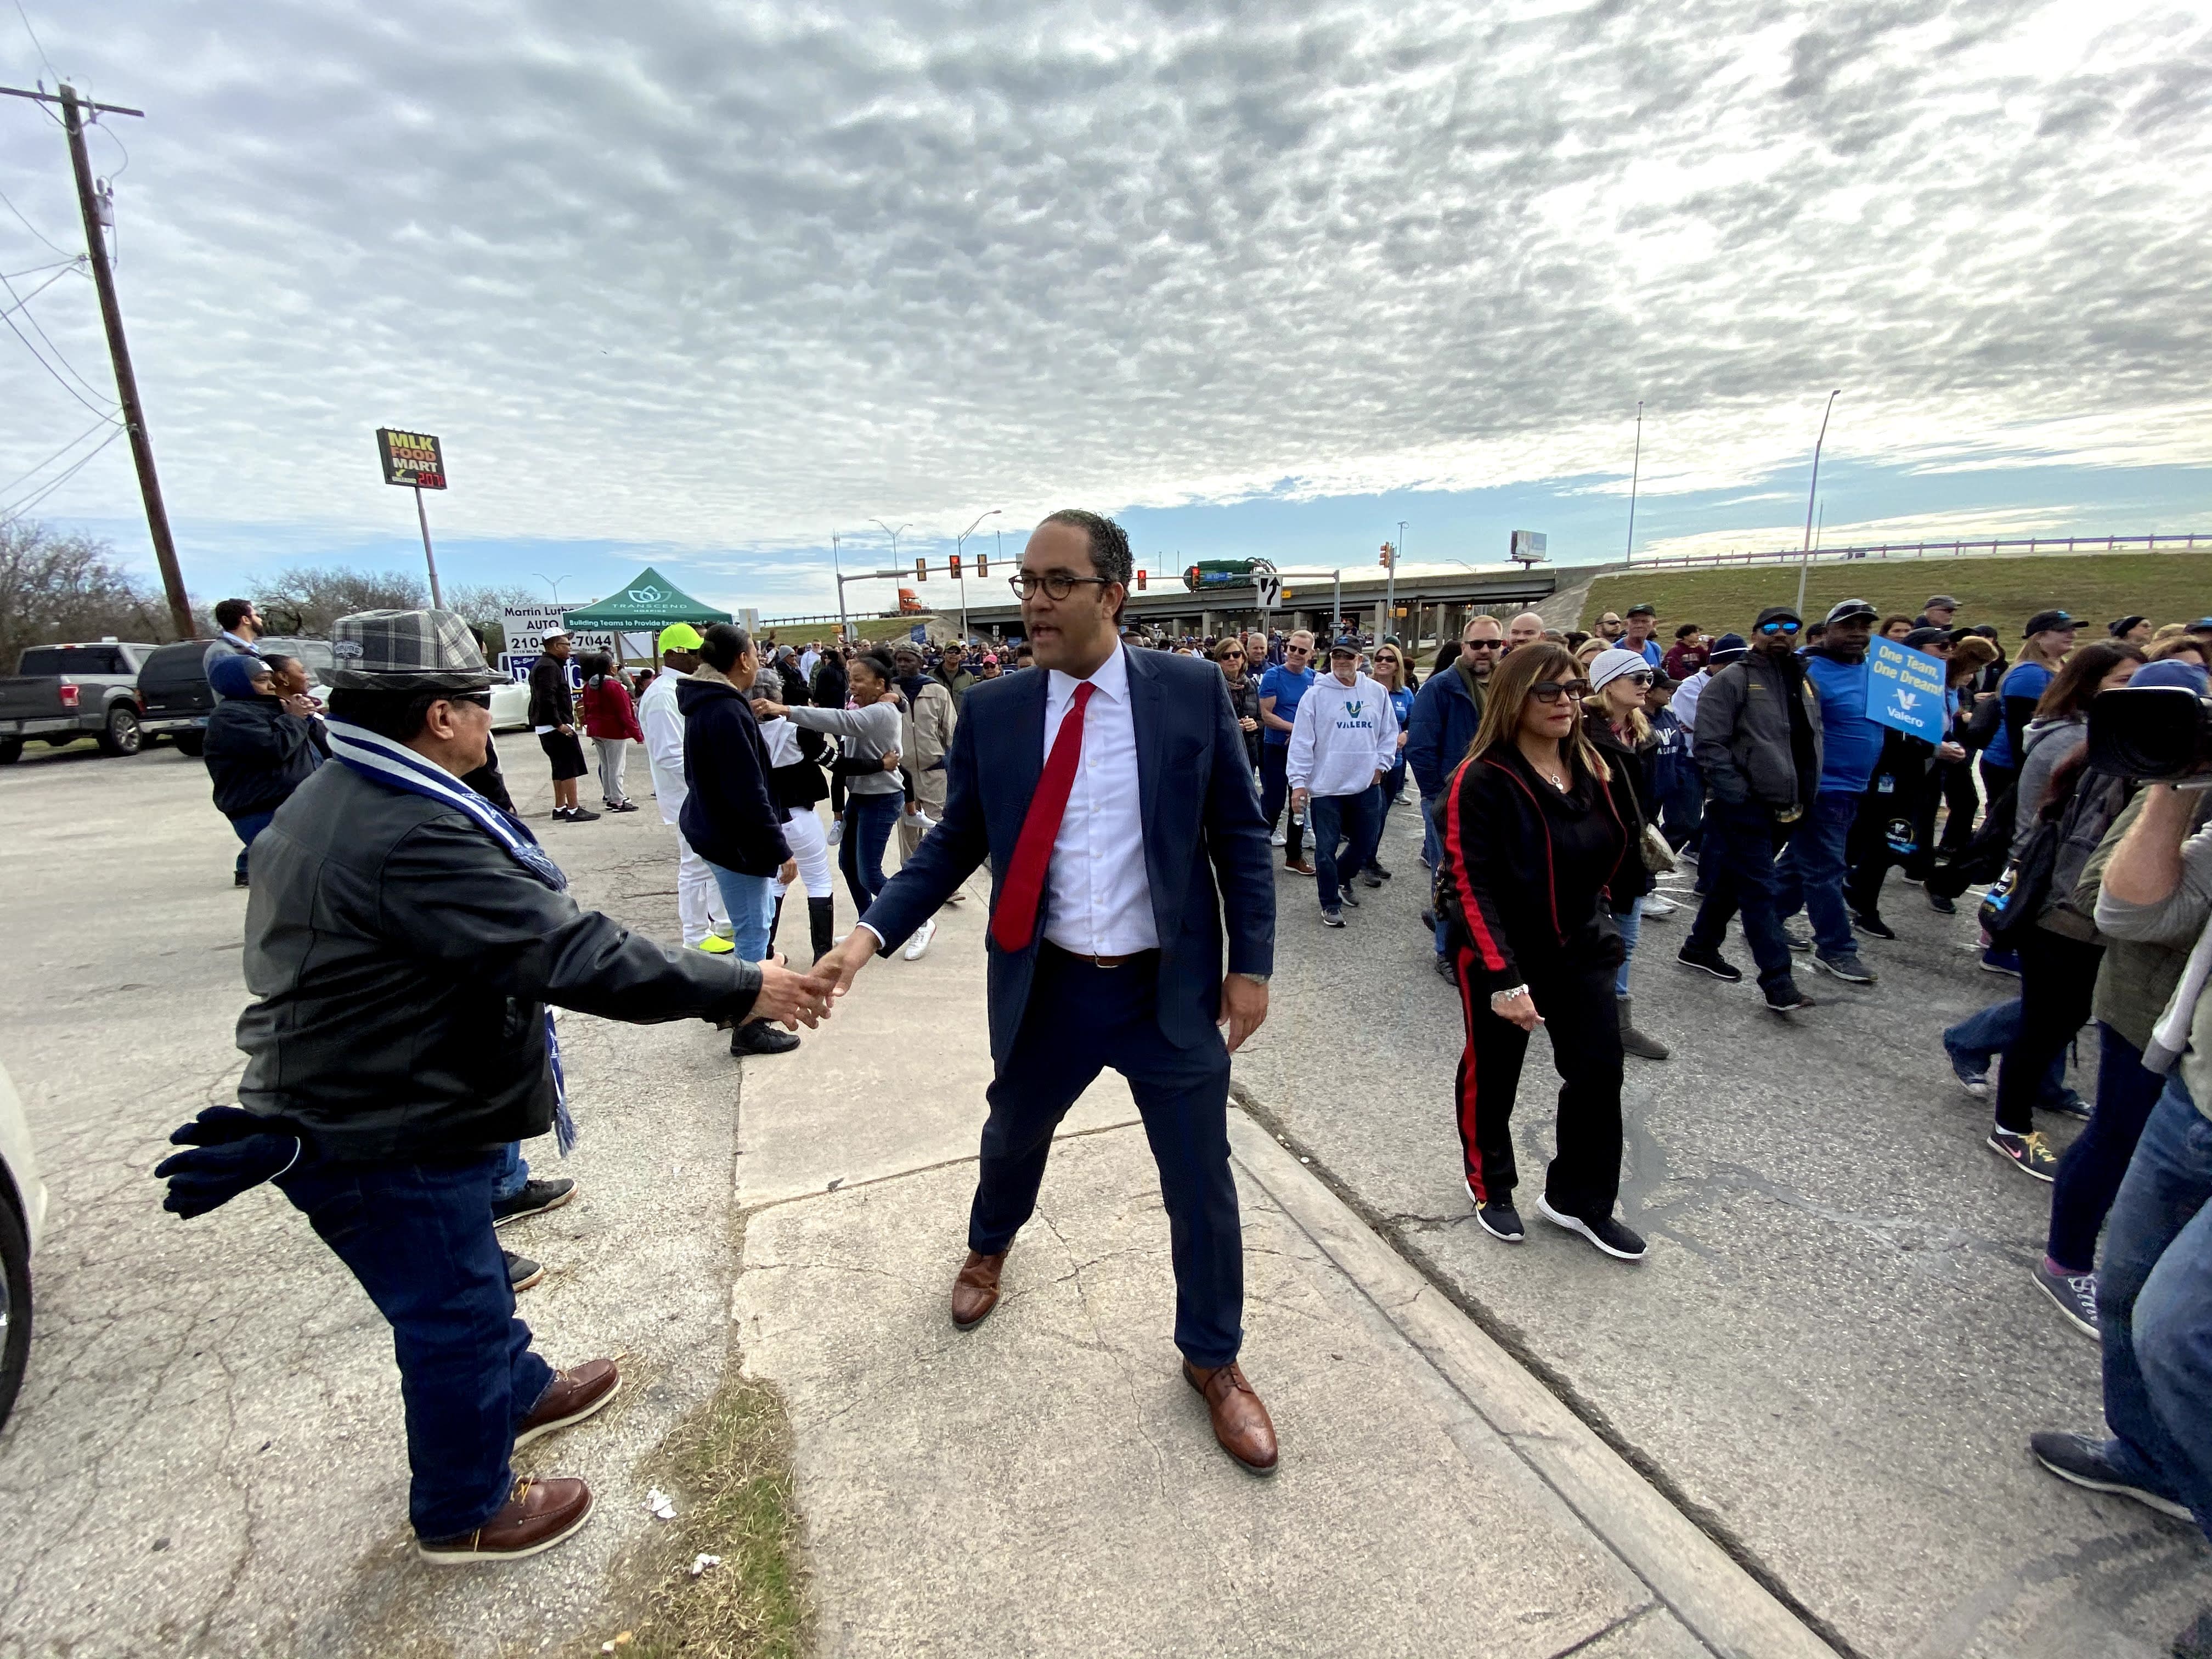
[(526, 626)]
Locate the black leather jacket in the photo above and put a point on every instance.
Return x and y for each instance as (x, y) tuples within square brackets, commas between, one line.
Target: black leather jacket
[(402, 960)]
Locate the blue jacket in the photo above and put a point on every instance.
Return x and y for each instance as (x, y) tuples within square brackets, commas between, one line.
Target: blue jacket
[(1444, 724), (1201, 825)]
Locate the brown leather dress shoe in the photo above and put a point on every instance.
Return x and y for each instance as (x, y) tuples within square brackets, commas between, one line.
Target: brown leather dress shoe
[(1241, 1423), (574, 1396), (975, 1289), (538, 1516)]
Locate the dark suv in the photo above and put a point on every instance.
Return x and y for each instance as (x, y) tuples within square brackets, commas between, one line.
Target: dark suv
[(173, 690)]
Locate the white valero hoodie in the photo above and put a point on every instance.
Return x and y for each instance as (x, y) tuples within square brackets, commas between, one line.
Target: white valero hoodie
[(1341, 736)]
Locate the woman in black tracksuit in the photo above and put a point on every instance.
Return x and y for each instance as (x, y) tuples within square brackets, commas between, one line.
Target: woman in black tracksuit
[(1533, 838)]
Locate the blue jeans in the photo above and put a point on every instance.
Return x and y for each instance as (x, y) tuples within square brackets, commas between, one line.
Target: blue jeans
[(1351, 822), (513, 1174), (1737, 869), (1681, 801), (1631, 926), (1980, 1038), (1433, 811), (868, 823), (1809, 876), (2154, 1305), (2090, 1173), (247, 826), (419, 1238), (749, 900)]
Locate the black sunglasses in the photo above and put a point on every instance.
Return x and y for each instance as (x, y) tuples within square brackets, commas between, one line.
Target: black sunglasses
[(1553, 690)]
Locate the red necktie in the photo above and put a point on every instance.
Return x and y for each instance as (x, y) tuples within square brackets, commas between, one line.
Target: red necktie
[(1014, 919)]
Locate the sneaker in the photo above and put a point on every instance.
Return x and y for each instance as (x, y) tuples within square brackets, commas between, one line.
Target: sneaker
[(1331, 918), (1346, 895), (2087, 1462), (1873, 926), (577, 815), (1429, 921), (916, 946), (2001, 962), (1446, 971), (2066, 1104), (836, 833), (1654, 905), (1787, 1000), (239, 878), (521, 1272), (2031, 1152), (1796, 938), (1608, 1235), (569, 1398), (1302, 867), (535, 1199), (716, 945), (1500, 1220), (1846, 966), (2075, 1295), (1376, 872), (1974, 1079), (1280, 838), (538, 1516), (1708, 960), (762, 1037), (1942, 904), (561, 814)]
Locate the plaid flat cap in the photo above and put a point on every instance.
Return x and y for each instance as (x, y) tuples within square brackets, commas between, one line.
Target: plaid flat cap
[(407, 650)]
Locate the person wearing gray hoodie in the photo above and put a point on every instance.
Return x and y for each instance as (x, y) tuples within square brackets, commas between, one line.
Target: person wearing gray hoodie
[(1343, 738)]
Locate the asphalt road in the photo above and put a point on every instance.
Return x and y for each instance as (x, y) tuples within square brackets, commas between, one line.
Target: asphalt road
[(1833, 1354)]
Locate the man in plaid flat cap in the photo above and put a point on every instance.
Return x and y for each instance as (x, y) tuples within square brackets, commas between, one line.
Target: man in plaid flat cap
[(404, 938)]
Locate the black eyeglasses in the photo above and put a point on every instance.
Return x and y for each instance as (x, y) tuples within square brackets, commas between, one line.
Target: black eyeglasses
[(1553, 690), (1780, 626), (1057, 583), (481, 699)]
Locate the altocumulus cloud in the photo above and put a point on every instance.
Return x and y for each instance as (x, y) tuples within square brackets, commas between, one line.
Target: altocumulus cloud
[(732, 274)]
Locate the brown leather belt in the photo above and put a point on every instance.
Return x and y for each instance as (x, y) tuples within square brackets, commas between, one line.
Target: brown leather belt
[(1104, 962)]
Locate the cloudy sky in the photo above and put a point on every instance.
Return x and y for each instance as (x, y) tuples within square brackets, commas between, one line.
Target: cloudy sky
[(707, 282)]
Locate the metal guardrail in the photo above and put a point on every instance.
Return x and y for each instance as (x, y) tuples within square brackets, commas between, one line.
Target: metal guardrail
[(1975, 547)]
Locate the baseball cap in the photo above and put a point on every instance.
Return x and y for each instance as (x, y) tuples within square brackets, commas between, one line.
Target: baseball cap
[(1730, 647), (2117, 628), (1921, 638), (2172, 672), (1942, 600), (1663, 681), (553, 634), (1640, 610), (1848, 609), (2042, 621), (1344, 648), (1610, 664), (1775, 613), (679, 636)]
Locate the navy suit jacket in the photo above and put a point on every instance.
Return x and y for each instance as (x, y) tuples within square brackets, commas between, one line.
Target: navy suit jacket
[(1201, 826)]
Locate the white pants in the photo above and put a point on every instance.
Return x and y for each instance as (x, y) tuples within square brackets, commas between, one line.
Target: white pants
[(810, 845), (613, 751), (698, 900)]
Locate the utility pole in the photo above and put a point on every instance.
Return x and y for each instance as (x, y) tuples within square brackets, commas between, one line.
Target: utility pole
[(1805, 558), (1635, 476), (1390, 628), (844, 628), (119, 348)]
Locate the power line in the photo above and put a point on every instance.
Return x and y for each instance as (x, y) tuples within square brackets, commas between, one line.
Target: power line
[(35, 292), (21, 477), (33, 271), (9, 515), (49, 367), (10, 289), (45, 61), (32, 228)]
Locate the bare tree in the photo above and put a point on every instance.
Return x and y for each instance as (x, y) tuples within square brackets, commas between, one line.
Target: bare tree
[(306, 599), (55, 587), (485, 605)]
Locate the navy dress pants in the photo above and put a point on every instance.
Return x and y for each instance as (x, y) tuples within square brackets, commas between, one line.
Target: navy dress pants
[(1082, 1018)]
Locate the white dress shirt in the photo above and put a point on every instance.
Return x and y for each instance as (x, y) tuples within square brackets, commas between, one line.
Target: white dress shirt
[(662, 722), (1100, 900)]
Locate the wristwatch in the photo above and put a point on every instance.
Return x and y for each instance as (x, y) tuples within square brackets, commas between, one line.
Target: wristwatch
[(1256, 979)]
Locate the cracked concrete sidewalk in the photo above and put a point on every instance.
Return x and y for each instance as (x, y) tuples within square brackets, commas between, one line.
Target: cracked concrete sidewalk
[(1047, 1484)]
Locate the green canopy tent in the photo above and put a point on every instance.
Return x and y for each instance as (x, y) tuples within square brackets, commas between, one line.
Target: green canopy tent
[(649, 603)]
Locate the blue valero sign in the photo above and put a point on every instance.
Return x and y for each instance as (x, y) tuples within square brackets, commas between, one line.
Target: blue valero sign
[(1905, 690)]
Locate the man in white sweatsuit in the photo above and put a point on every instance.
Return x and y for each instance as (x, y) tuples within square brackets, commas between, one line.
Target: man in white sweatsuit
[(1343, 738), (698, 901)]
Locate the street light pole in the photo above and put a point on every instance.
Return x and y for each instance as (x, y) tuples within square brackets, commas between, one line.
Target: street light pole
[(1390, 589), (1635, 476), (1805, 558), (959, 545), (844, 628), (553, 583)]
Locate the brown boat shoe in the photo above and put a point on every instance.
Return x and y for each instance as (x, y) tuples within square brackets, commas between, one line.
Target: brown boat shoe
[(537, 1515), (975, 1289), (1241, 1423), (572, 1396)]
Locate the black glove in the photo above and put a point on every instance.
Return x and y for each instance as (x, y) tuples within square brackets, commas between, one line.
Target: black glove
[(231, 1152)]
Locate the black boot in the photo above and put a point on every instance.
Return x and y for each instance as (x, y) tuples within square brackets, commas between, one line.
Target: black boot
[(775, 921), (822, 921)]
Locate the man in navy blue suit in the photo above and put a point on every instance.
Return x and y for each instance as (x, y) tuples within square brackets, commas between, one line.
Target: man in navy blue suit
[(1112, 796)]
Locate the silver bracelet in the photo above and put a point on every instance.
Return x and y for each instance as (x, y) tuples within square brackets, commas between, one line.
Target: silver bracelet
[(1497, 997)]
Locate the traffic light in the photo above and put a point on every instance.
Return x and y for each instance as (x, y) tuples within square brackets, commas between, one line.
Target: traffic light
[(922, 570), (983, 565), (1141, 581), (1385, 559), (954, 569)]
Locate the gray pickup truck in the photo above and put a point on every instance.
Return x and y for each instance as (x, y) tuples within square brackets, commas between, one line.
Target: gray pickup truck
[(59, 693)]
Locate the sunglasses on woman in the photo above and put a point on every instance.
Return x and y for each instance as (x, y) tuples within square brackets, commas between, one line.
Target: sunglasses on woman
[(1553, 690)]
